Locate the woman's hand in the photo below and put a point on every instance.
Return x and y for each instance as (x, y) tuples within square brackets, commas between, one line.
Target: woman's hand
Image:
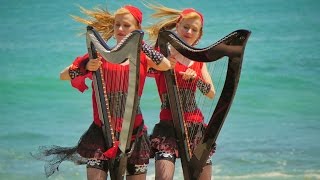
[(93, 64), (188, 74)]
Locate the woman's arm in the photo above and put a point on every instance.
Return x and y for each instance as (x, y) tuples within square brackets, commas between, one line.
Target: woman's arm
[(207, 78), (91, 65), (64, 74), (164, 65), (155, 59)]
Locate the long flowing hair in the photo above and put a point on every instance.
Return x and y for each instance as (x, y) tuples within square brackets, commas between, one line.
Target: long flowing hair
[(100, 19), (168, 20)]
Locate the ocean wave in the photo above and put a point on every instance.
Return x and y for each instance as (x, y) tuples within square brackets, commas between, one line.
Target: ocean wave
[(273, 175)]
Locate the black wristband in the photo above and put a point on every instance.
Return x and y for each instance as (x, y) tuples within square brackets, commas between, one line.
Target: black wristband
[(73, 73), (154, 55), (78, 68), (203, 86)]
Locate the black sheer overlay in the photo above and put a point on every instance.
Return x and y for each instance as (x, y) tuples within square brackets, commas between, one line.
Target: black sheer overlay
[(92, 145)]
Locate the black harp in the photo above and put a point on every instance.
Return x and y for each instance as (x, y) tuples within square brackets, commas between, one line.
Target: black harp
[(232, 46)]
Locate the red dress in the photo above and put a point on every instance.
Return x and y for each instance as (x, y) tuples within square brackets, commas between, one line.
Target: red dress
[(92, 143), (163, 138), (187, 91), (119, 73)]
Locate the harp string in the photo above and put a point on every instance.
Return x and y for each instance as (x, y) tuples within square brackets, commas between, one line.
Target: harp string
[(217, 71), (116, 76), (113, 94), (184, 105), (186, 96), (107, 103), (183, 118), (206, 106)]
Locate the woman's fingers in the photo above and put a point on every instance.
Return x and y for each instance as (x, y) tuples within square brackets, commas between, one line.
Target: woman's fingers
[(94, 64), (188, 74)]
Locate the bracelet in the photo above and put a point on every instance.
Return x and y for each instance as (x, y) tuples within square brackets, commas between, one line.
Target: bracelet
[(73, 73), (78, 68), (154, 55), (203, 86)]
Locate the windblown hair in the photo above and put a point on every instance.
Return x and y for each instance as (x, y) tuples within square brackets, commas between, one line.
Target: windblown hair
[(168, 19), (101, 20)]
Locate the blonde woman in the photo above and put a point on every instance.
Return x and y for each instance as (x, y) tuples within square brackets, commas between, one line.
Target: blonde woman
[(92, 144), (188, 24)]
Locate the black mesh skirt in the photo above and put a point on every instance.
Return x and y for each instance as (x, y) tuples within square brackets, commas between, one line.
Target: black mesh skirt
[(163, 138), (91, 145)]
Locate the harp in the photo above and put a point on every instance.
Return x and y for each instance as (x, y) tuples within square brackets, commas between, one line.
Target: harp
[(232, 47), (107, 103)]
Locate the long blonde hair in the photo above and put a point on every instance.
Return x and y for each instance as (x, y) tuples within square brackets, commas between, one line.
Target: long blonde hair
[(101, 20), (168, 20)]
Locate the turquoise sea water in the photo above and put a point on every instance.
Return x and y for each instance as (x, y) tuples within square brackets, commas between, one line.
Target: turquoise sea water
[(271, 131)]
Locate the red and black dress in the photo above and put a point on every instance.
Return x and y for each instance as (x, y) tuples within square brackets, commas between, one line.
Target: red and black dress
[(163, 140), (91, 148)]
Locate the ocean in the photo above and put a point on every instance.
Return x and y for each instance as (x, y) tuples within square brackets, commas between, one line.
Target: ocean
[(270, 132)]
